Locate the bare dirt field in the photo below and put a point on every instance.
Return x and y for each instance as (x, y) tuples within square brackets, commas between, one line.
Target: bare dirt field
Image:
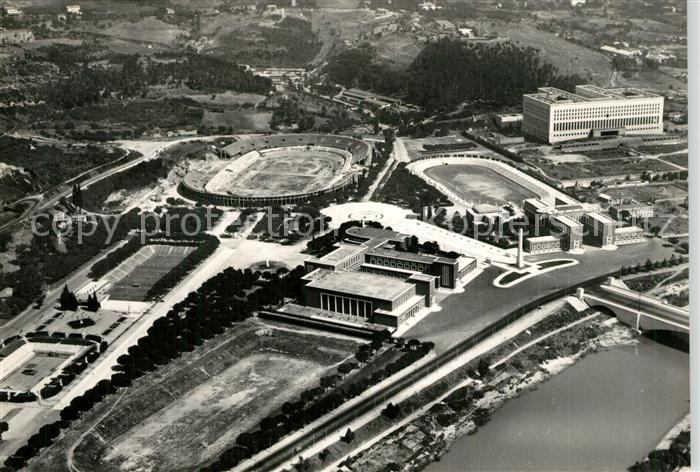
[(188, 412), (479, 184)]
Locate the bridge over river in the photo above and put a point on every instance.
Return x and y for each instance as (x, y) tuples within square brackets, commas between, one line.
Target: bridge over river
[(643, 312)]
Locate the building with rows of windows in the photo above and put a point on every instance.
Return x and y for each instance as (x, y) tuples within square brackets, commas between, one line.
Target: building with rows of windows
[(554, 115), (569, 227), (373, 275)]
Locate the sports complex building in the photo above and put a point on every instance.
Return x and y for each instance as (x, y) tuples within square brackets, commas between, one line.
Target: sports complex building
[(278, 169), (372, 276), (554, 115), (568, 227)]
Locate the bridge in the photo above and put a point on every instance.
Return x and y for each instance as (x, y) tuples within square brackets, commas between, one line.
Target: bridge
[(643, 312)]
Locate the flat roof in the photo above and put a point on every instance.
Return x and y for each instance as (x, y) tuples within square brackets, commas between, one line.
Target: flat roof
[(542, 239), (403, 255), (343, 251), (587, 93), (536, 202), (367, 232), (628, 206), (600, 217), (629, 229), (423, 277), (358, 283), (565, 220)]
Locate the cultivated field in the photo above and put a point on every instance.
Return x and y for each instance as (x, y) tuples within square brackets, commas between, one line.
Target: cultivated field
[(144, 269), (603, 167), (648, 192), (479, 184), (188, 412), (678, 159)]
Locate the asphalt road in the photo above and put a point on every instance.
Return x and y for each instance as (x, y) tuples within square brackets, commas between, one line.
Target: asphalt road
[(481, 303), (468, 318)]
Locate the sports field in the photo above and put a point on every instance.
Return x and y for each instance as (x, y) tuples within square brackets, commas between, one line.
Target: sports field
[(479, 184), (138, 274), (193, 410), (35, 369), (281, 172)]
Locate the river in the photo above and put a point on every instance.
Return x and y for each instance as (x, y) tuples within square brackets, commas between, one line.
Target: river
[(604, 413)]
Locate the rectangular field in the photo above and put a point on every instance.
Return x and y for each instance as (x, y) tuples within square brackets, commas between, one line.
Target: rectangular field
[(190, 411), (479, 184), (159, 260), (603, 168), (34, 370), (647, 193)]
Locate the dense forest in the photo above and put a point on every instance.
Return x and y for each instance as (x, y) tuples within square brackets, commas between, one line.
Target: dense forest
[(50, 164), (449, 72), (130, 77)]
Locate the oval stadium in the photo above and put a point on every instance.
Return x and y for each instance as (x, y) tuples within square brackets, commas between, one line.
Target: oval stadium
[(278, 169)]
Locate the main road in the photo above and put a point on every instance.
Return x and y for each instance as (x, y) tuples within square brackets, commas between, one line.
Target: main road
[(468, 318), (148, 150)]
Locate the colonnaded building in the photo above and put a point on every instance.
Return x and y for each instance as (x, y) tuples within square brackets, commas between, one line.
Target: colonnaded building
[(554, 115), (373, 275)]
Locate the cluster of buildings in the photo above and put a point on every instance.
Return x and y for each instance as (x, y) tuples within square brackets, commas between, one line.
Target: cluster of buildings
[(568, 227), (371, 275), (358, 97), (554, 115)]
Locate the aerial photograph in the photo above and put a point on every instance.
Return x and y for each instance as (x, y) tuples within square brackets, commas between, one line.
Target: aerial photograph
[(344, 235)]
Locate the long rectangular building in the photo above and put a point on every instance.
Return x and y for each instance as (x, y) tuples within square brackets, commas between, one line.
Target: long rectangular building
[(554, 115), (380, 299)]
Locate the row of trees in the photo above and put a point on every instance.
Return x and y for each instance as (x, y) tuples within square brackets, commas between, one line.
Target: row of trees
[(333, 390), (206, 247), (41, 262), (225, 299), (650, 265), (83, 85), (665, 176)]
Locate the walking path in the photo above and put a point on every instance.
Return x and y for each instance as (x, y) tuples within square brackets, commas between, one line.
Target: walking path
[(502, 336)]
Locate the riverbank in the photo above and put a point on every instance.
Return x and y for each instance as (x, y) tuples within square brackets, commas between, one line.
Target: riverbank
[(671, 454), (424, 426)]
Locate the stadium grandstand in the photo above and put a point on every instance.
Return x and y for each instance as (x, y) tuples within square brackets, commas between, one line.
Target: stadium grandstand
[(278, 169)]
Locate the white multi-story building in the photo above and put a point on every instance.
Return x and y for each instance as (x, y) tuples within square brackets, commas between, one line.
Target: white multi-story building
[(555, 115)]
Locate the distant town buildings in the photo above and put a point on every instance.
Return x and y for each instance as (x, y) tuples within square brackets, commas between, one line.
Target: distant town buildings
[(508, 119), (632, 210), (12, 11), (569, 227), (429, 6), (555, 115)]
